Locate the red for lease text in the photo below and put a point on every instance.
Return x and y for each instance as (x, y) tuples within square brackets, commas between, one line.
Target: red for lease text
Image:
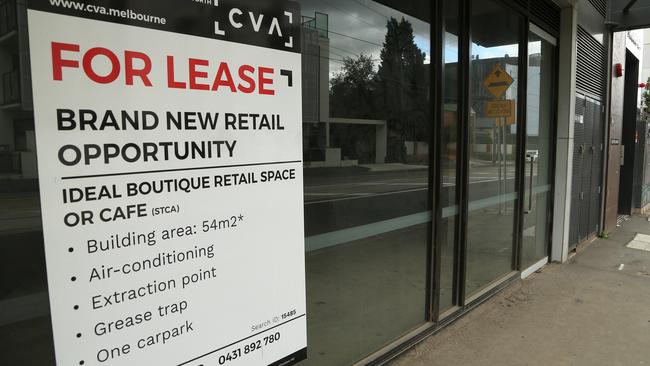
[(199, 74)]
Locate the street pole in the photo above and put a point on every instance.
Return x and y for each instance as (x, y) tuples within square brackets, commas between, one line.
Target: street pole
[(505, 163), (499, 150)]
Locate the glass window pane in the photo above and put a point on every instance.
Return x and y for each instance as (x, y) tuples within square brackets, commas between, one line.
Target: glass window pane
[(449, 156), (366, 128), (366, 140), (539, 119), (492, 126), (25, 325)]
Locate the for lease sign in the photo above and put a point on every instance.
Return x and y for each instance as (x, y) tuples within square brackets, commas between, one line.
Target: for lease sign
[(169, 153)]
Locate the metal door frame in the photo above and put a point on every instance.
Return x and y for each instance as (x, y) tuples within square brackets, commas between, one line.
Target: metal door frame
[(538, 31)]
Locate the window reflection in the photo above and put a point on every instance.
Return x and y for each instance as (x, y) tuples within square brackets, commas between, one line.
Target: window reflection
[(537, 173), (25, 327), (366, 137), (492, 143), (449, 146), (366, 128)]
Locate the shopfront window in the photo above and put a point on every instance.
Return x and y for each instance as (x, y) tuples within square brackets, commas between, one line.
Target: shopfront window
[(450, 149), (366, 114), (539, 136), (366, 121), (25, 325), (492, 124), (366, 135)]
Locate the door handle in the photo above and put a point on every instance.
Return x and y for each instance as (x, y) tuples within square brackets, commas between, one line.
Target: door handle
[(530, 185)]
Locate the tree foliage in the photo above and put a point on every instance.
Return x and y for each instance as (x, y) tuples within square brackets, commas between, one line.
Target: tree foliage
[(396, 91), (352, 89), (402, 88)]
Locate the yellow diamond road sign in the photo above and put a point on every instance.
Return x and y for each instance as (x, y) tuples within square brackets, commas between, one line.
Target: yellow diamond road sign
[(498, 81)]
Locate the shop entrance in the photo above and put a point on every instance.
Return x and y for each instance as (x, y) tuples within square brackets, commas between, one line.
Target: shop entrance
[(497, 148), (492, 192), (539, 149)]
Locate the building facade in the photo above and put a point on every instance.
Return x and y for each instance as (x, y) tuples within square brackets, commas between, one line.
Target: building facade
[(450, 148)]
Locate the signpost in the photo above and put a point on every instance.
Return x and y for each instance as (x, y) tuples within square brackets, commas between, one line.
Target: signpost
[(497, 83), (499, 108), (169, 148)]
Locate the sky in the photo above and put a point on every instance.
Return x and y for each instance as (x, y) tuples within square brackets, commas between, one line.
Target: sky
[(451, 49), (359, 26)]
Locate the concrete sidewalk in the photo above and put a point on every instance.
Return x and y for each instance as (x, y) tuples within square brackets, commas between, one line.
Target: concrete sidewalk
[(593, 310)]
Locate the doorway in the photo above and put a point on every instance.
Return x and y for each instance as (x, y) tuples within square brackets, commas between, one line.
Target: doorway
[(497, 195), (630, 138), (540, 109), (492, 192)]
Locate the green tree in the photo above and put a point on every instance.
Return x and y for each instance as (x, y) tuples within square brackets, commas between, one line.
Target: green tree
[(352, 95), (402, 89), (352, 89)]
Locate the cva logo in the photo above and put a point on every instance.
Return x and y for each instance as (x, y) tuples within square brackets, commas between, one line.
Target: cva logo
[(255, 22)]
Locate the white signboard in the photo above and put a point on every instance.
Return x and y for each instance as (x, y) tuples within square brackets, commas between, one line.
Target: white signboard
[(169, 152)]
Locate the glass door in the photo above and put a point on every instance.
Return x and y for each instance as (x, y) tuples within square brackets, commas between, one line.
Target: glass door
[(492, 151), (539, 122), (496, 146)]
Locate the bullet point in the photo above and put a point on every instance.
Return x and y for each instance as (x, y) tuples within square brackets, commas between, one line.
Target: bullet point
[(73, 278), (71, 249), (78, 335), (76, 307), (81, 362)]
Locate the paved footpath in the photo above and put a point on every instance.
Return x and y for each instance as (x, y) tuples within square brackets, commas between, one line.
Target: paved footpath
[(592, 311)]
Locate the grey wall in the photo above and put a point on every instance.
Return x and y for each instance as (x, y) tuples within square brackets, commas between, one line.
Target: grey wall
[(615, 131)]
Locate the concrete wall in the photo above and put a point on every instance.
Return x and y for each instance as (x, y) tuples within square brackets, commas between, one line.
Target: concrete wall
[(645, 63), (615, 132), (565, 134), (621, 42), (634, 43)]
